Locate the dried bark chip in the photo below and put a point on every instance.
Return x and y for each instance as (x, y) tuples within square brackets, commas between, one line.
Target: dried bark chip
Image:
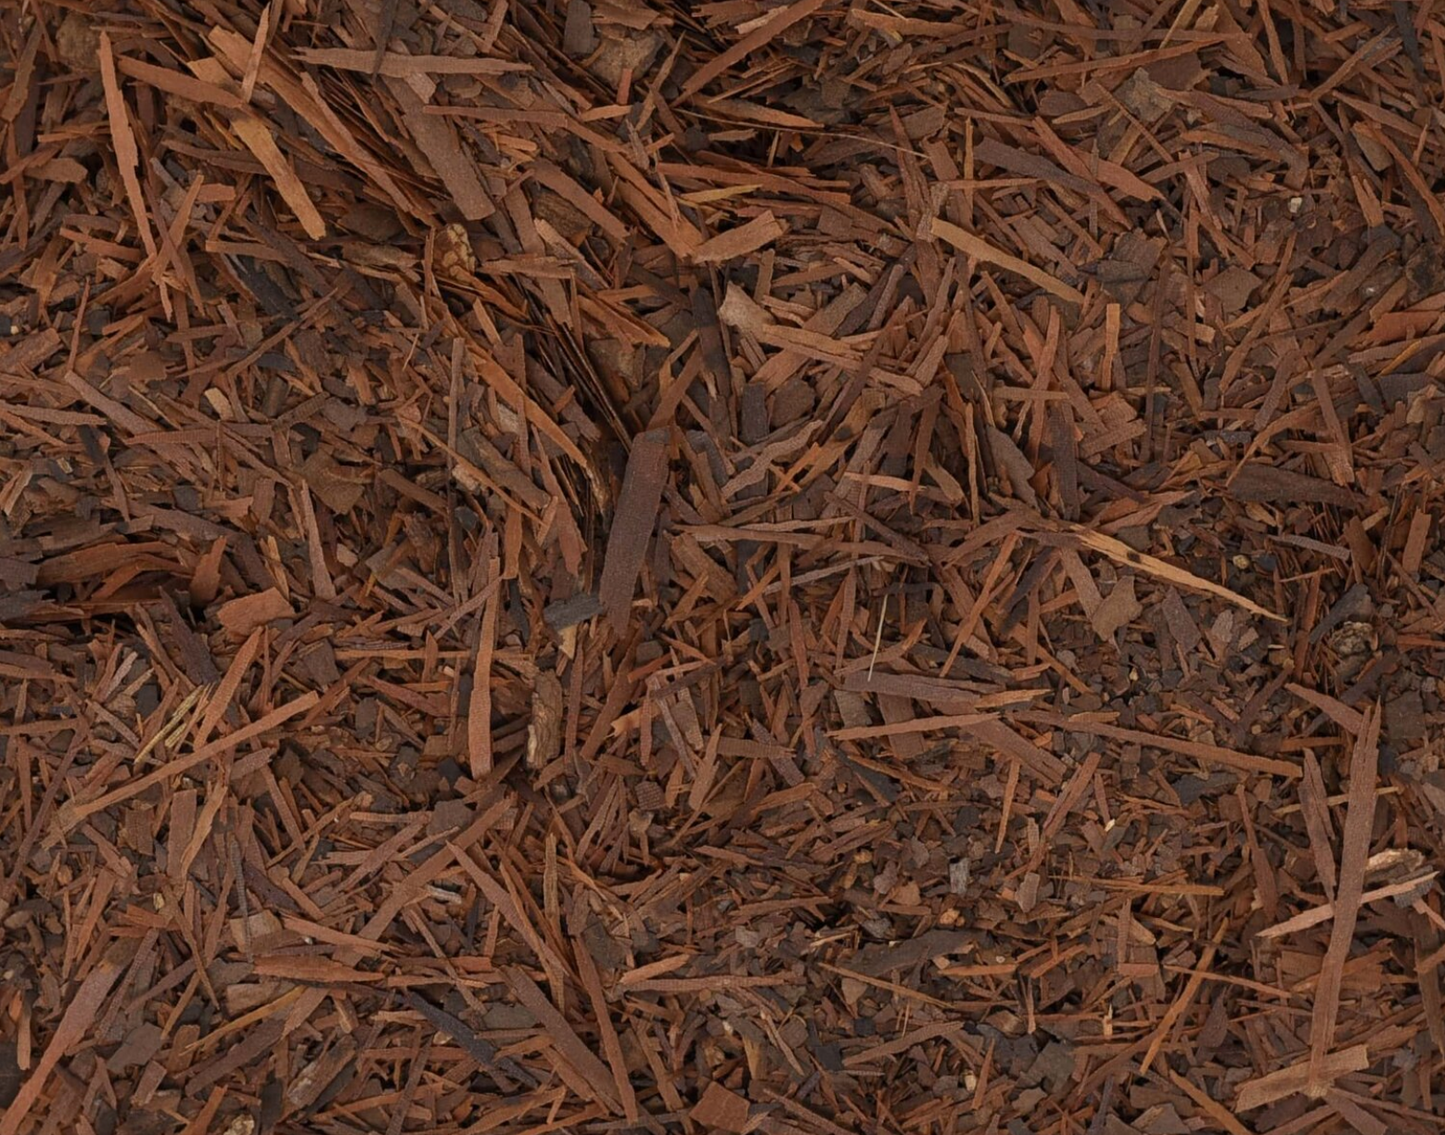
[(1182, 626), (243, 615), (636, 517), (762, 229), (544, 731), (455, 257), (339, 487), (1117, 609), (571, 612), (1257, 482), (1405, 722), (650, 796), (622, 51), (11, 1075), (578, 35), (77, 40), (1232, 288), (438, 142), (877, 960), (140, 1044), (721, 1110), (1015, 466)]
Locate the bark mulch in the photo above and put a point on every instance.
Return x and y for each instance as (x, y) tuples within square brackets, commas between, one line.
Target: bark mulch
[(820, 567)]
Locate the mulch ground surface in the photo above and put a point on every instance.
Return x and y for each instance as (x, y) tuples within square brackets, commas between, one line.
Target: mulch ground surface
[(814, 567)]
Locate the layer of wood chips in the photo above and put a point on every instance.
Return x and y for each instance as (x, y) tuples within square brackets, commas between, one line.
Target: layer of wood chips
[(815, 567)]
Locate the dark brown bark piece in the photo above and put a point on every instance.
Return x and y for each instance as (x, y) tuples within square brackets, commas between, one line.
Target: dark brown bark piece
[(633, 522)]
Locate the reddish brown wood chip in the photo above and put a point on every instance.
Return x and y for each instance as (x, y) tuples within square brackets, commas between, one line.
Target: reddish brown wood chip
[(779, 567), (721, 1110), (632, 526), (761, 230), (242, 616)]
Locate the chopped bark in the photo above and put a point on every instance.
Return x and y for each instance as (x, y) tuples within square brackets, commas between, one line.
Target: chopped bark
[(810, 567)]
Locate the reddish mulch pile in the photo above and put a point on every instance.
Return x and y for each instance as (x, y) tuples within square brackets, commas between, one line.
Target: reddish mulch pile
[(815, 567)]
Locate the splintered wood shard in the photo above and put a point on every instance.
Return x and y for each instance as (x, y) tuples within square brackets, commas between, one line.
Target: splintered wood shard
[(632, 526)]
